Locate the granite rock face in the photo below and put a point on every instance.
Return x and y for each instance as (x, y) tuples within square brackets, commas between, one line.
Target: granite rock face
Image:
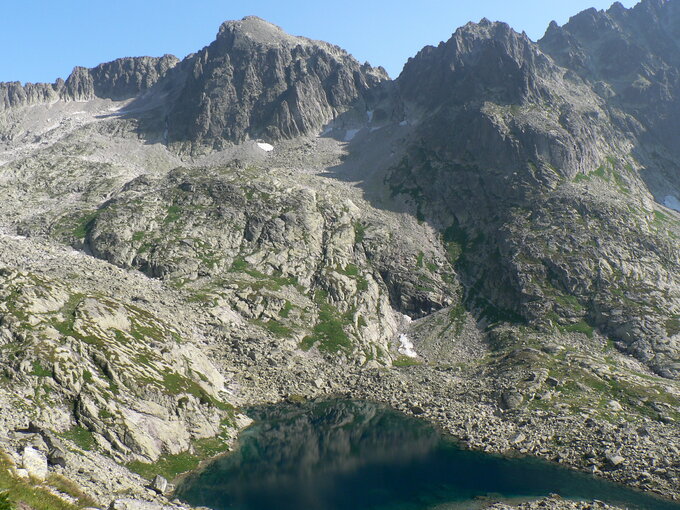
[(536, 177), (489, 242), (123, 78), (256, 81), (630, 58)]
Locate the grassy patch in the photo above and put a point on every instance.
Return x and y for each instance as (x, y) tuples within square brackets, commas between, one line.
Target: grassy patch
[(24, 492), (63, 484), (286, 309), (328, 333), (457, 318), (359, 232), (673, 326), (405, 361), (275, 328), (40, 371), (239, 264), (579, 327), (81, 437), (172, 214), (85, 224), (170, 466)]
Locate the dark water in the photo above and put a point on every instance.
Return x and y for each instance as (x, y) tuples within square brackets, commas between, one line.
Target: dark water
[(347, 455)]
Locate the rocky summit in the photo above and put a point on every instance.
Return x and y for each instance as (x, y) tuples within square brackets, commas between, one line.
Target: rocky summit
[(488, 241)]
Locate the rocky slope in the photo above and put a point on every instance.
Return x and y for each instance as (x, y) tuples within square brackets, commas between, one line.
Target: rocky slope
[(480, 242), (553, 221)]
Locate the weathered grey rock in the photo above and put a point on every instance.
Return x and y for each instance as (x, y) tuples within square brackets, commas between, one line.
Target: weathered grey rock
[(511, 399), (123, 78), (136, 504), (35, 463), (614, 459), (255, 81), (159, 484)]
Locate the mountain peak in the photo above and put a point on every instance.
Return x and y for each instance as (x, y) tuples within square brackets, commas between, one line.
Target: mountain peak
[(253, 29)]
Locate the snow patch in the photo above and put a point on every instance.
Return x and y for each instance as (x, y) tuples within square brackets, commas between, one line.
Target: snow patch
[(350, 134), (672, 202), (369, 114), (403, 123), (406, 347), (265, 146)]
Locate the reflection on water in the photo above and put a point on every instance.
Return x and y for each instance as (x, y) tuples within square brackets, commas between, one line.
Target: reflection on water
[(341, 455)]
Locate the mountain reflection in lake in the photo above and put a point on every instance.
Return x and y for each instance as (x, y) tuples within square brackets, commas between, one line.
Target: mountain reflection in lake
[(342, 455)]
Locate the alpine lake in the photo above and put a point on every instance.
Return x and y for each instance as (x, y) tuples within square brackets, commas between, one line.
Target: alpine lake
[(356, 455)]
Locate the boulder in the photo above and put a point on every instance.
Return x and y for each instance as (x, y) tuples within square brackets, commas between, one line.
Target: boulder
[(159, 484), (35, 463), (511, 399)]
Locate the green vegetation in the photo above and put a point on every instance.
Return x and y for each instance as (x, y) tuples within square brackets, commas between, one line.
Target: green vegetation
[(63, 484), (172, 214), (75, 225), (138, 236), (20, 493), (286, 309), (328, 333), (579, 327), (457, 318), (359, 232), (405, 361), (85, 224), (5, 502), (239, 264), (81, 436), (607, 172), (673, 326), (39, 371), (170, 466), (275, 328)]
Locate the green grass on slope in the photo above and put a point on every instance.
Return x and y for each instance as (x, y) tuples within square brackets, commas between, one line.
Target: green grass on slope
[(18, 491)]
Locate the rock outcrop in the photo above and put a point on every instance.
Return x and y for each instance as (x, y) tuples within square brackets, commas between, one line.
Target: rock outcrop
[(256, 81), (542, 171), (123, 78)]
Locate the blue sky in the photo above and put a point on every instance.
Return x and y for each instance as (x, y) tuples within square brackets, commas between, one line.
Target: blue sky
[(41, 40)]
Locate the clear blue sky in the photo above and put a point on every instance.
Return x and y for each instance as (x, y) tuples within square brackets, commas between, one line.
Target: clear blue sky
[(41, 40)]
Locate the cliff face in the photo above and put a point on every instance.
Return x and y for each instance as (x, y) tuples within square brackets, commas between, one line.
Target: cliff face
[(531, 168), (631, 58), (257, 81), (124, 78)]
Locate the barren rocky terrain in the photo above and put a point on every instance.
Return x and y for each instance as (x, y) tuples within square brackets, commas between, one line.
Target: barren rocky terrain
[(489, 242)]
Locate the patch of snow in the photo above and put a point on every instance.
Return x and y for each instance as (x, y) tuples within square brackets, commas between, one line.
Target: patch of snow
[(672, 202), (403, 123), (350, 134), (406, 347), (265, 146), (369, 114), (406, 318), (375, 129)]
